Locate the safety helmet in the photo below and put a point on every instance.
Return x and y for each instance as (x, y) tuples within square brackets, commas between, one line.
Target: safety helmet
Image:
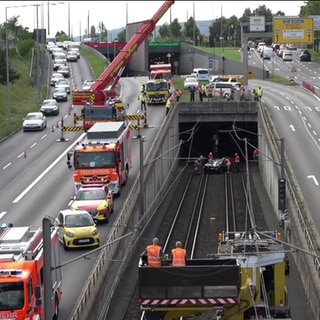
[(210, 153)]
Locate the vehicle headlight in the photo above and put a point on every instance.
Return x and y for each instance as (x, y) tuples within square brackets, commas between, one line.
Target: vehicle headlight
[(69, 234), (94, 232)]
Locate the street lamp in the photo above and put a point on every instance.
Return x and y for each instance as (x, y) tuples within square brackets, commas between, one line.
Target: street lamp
[(53, 4)]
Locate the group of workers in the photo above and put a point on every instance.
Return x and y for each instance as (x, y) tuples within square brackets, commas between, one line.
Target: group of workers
[(156, 257)]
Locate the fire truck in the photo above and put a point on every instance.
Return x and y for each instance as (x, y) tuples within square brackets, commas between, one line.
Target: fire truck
[(22, 274), (161, 71), (104, 156), (105, 86), (244, 280)]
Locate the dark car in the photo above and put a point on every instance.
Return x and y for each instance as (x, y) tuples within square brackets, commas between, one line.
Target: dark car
[(305, 55), (50, 107), (216, 166), (60, 94)]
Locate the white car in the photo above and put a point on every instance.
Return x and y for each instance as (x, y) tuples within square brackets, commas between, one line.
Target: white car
[(87, 84), (55, 77), (72, 56), (64, 83), (190, 82), (34, 121)]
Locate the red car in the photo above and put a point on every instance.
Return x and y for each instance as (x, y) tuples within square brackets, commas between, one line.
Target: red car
[(96, 199)]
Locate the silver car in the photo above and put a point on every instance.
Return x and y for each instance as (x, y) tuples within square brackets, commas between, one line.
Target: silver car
[(60, 94), (34, 121), (63, 83)]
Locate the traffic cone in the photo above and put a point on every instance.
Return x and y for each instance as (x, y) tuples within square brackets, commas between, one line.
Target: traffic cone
[(24, 154)]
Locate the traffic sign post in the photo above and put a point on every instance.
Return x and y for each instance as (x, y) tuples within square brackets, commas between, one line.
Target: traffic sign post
[(292, 30)]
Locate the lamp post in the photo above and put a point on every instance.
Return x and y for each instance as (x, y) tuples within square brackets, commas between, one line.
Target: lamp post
[(8, 75), (52, 4)]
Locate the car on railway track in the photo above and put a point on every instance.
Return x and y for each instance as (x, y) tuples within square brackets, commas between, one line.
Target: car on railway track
[(217, 165)]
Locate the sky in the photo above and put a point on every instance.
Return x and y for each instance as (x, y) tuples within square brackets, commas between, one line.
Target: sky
[(74, 16)]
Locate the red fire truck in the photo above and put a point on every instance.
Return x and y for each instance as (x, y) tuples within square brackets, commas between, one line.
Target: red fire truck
[(21, 274), (105, 86), (103, 157)]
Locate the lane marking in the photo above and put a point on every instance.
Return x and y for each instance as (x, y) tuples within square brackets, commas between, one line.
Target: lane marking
[(314, 179)]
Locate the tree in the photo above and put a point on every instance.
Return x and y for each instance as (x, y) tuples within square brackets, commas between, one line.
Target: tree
[(102, 32), (191, 29), (310, 8), (164, 31), (122, 35), (175, 29), (13, 75)]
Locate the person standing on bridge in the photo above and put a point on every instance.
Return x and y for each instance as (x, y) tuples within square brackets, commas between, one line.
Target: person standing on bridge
[(179, 255), (154, 253), (259, 92)]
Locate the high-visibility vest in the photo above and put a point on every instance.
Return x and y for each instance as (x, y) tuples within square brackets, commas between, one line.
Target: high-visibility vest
[(209, 91), (259, 92), (168, 104), (153, 252), (178, 257)]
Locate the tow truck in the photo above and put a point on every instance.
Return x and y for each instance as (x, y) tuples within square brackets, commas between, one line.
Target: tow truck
[(244, 280), (22, 271), (104, 88)]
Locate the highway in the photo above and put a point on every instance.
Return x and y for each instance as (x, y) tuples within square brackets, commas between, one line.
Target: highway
[(36, 182)]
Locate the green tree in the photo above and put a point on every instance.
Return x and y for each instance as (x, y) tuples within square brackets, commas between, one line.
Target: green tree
[(122, 35), (164, 31), (190, 29), (310, 8), (102, 32), (13, 75), (175, 29)]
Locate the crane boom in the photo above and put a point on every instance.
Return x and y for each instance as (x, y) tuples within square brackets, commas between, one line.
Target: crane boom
[(114, 70)]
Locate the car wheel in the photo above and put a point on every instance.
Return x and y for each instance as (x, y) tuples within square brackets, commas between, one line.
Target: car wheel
[(66, 248)]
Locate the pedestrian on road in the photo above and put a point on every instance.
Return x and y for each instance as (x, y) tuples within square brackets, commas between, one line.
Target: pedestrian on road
[(154, 253), (179, 255), (168, 105)]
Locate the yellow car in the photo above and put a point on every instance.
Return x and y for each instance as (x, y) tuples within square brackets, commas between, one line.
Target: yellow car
[(77, 229)]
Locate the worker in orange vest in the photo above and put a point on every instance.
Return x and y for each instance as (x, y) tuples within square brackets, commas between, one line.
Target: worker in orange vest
[(179, 255), (210, 157), (237, 161), (228, 163), (209, 92), (154, 253)]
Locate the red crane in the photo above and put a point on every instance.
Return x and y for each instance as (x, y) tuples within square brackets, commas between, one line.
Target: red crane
[(99, 92)]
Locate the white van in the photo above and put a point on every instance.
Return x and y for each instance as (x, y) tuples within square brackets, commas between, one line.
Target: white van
[(201, 74), (267, 53), (225, 87)]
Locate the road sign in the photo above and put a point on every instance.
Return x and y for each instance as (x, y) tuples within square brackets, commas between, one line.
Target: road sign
[(316, 22), (210, 63), (250, 75), (257, 24), (292, 30)]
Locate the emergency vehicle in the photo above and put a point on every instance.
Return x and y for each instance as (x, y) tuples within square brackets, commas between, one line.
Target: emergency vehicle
[(157, 91), (244, 280), (161, 71), (105, 86), (104, 156), (22, 273)]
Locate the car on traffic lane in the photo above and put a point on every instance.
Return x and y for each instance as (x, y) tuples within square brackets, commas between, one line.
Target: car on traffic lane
[(63, 83), (190, 82), (96, 199), (64, 70), (77, 229), (34, 121), (50, 107), (55, 77), (57, 63), (287, 56), (305, 55), (87, 84), (72, 56), (60, 94)]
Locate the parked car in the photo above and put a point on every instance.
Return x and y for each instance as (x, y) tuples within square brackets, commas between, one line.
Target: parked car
[(34, 121), (190, 82), (64, 70), (305, 55), (55, 77), (50, 107), (60, 94), (96, 199), (63, 83), (77, 229), (287, 56), (87, 84)]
